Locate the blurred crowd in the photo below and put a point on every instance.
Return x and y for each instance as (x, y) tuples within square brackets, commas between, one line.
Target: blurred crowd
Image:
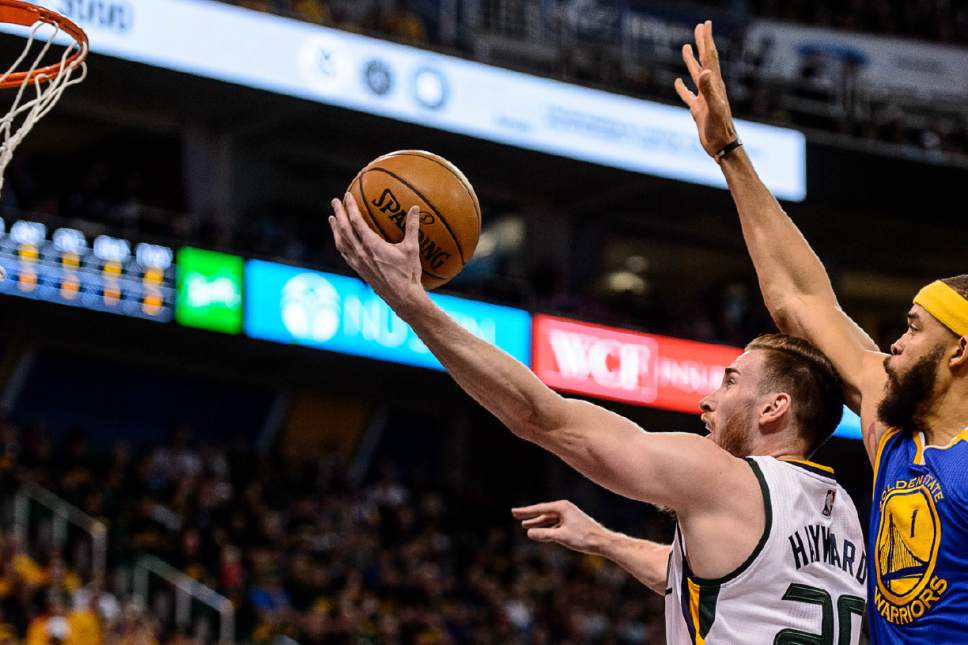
[(934, 20), (303, 554), (394, 18)]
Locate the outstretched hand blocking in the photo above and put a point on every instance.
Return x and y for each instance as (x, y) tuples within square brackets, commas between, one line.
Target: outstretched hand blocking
[(392, 270), (710, 107)]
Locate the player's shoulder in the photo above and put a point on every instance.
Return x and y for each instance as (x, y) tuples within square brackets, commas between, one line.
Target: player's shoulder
[(699, 453), (949, 463), (803, 474), (796, 467), (809, 491)]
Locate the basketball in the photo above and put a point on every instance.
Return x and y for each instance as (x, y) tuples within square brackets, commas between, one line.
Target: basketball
[(450, 216)]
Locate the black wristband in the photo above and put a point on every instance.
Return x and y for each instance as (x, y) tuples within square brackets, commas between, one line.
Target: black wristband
[(728, 148)]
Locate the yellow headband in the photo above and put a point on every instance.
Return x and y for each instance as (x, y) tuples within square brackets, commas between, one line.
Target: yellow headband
[(945, 304)]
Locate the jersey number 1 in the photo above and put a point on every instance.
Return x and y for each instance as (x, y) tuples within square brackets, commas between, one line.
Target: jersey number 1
[(847, 605)]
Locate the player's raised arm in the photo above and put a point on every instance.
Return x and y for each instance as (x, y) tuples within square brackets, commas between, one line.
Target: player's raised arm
[(681, 471), (795, 285), (564, 523)]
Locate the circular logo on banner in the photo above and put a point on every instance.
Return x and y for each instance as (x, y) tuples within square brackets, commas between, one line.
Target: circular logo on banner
[(324, 64), (430, 88), (378, 77), (310, 308)]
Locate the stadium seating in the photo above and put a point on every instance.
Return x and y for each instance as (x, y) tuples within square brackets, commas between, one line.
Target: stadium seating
[(302, 553)]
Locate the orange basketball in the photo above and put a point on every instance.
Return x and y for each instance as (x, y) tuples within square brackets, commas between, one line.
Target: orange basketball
[(450, 216)]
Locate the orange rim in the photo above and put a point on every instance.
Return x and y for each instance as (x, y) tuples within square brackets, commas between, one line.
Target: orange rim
[(26, 15)]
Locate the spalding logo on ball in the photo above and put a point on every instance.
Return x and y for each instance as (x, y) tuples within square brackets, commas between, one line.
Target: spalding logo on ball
[(450, 215)]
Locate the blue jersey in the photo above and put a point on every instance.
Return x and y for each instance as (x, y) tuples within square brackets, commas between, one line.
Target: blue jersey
[(918, 582)]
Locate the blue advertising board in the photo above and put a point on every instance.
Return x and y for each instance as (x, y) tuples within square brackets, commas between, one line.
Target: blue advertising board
[(294, 305)]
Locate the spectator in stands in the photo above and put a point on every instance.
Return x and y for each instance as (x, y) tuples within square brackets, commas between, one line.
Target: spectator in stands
[(100, 603), (316, 11), (137, 627), (397, 20)]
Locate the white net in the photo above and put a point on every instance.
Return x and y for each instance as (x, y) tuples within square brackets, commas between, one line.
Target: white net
[(41, 88)]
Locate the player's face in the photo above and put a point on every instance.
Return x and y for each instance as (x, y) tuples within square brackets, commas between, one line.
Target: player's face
[(730, 412), (912, 369)]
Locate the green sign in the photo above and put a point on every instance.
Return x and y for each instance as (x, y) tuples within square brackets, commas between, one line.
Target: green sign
[(209, 292)]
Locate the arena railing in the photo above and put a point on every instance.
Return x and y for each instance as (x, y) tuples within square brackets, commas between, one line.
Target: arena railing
[(63, 514), (186, 589)]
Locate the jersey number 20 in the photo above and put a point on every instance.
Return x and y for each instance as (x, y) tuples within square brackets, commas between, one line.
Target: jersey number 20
[(847, 605)]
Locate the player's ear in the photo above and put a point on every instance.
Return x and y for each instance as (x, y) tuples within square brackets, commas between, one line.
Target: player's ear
[(776, 406), (959, 359)]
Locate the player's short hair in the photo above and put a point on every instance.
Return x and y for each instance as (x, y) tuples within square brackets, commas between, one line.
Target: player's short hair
[(796, 367), (959, 283)]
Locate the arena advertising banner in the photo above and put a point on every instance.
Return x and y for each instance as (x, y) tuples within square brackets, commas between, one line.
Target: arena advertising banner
[(236, 45), (633, 367), (627, 366), (879, 65), (294, 305), (209, 290), (106, 273)]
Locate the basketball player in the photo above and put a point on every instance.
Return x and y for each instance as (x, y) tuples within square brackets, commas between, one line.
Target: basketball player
[(744, 606), (761, 541), (913, 403)]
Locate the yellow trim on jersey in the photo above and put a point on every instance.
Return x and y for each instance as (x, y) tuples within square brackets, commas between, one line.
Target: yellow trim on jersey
[(919, 449), (945, 304), (694, 610), (805, 462), (890, 432), (961, 436)]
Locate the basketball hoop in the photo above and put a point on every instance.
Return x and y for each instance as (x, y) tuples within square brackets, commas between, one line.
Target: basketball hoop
[(47, 83)]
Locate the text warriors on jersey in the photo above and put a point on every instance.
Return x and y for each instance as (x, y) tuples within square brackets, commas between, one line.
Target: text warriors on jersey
[(907, 544)]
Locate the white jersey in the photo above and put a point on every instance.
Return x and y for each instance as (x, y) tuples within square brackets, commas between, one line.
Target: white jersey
[(805, 582)]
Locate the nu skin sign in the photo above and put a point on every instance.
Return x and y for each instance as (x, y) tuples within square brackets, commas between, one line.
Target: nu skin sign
[(632, 367), (288, 304)]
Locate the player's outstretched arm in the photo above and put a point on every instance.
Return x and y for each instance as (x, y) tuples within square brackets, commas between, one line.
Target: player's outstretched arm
[(564, 523), (795, 284), (681, 471)]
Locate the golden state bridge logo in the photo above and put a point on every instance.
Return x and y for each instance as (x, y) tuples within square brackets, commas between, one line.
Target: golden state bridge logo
[(907, 551)]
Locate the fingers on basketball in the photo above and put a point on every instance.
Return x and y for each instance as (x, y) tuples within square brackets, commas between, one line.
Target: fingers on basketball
[(411, 237), (339, 232), (363, 232)]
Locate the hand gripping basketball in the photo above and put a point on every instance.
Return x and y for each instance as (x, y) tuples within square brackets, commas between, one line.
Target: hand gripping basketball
[(450, 215), (393, 271)]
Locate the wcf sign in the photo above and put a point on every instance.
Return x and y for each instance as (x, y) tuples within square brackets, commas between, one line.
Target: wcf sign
[(627, 366)]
